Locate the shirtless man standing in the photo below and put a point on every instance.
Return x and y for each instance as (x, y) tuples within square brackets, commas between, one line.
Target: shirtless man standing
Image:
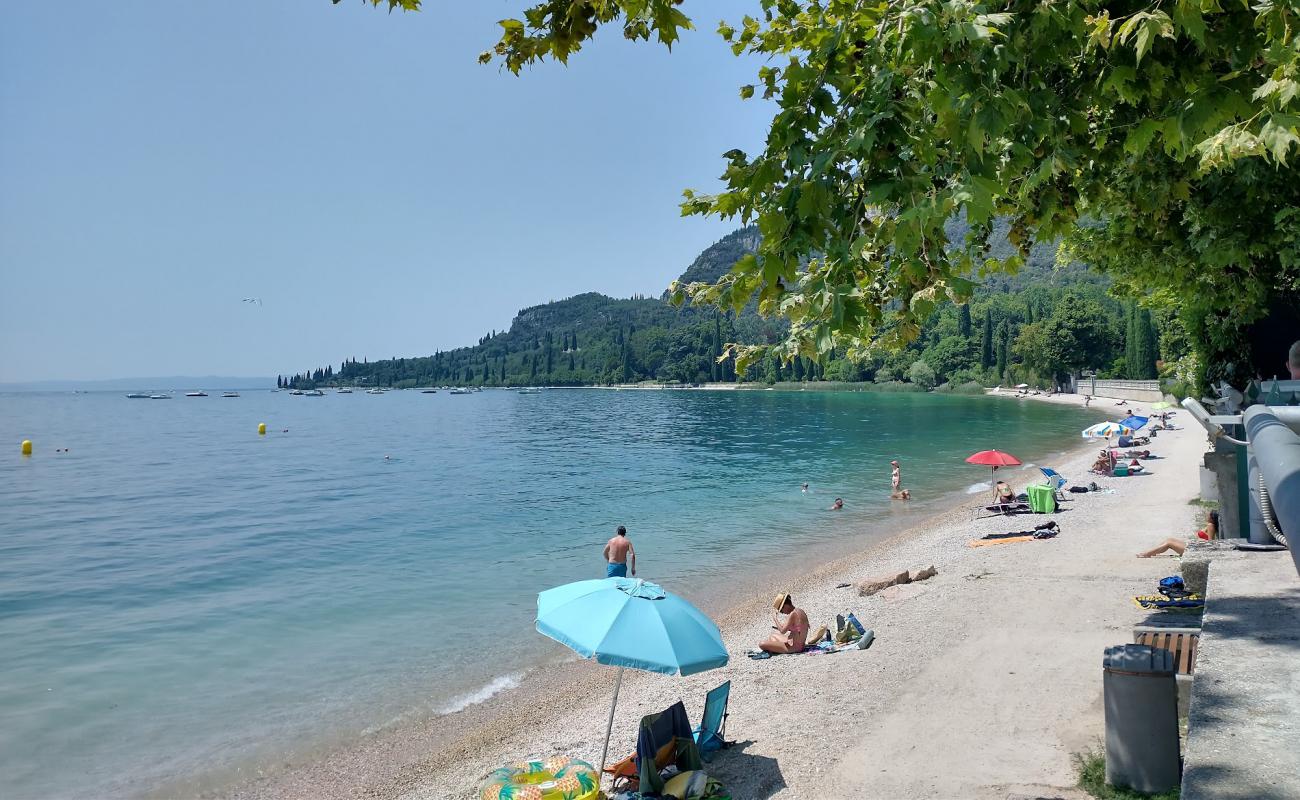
[(896, 476), (617, 550)]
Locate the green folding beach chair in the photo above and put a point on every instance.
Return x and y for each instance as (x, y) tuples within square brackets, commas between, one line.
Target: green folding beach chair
[(709, 735)]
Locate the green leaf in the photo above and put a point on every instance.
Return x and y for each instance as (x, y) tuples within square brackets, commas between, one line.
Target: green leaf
[(1279, 134), (1139, 138)]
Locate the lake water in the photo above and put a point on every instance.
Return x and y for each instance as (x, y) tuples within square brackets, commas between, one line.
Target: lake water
[(179, 594)]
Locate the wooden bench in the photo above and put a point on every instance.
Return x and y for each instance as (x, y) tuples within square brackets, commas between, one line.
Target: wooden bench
[(1181, 642)]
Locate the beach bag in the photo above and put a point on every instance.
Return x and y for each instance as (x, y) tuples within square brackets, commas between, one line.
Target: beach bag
[(1173, 587)]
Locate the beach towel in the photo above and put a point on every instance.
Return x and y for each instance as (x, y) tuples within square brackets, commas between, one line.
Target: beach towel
[(1158, 602), (1009, 540)]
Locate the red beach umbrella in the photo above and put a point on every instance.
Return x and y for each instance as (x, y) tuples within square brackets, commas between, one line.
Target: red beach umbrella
[(993, 459)]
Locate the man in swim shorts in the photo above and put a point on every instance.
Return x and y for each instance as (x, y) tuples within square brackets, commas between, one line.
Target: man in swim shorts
[(617, 551)]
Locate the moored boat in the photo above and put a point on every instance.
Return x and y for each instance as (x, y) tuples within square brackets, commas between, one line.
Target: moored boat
[(196, 394), (138, 396)]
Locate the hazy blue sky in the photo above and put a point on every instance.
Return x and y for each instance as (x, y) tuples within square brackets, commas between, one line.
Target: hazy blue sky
[(381, 192)]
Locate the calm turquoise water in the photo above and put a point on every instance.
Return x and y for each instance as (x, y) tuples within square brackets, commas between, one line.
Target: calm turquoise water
[(178, 594)]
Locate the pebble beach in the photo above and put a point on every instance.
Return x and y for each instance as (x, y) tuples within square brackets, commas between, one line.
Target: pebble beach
[(983, 681)]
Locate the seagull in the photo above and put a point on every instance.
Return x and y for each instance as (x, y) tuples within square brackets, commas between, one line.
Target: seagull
[(257, 300)]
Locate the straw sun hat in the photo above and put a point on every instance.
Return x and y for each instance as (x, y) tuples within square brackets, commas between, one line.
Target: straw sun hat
[(779, 601)]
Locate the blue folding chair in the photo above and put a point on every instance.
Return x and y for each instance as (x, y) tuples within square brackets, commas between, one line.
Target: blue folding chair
[(709, 735), (1055, 480)]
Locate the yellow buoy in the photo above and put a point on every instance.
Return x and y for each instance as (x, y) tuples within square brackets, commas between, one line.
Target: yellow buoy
[(261, 429), (27, 447)]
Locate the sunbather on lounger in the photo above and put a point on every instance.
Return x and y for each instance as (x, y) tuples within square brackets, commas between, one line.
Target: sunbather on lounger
[(791, 635)]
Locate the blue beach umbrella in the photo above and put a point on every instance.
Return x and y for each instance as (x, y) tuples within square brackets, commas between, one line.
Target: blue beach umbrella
[(1133, 422), (629, 623)]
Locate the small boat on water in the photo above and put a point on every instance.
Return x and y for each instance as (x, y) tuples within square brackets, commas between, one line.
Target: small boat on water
[(160, 397), (230, 394), (138, 396), (196, 394), (298, 392), (530, 390), (461, 390), (314, 393), (428, 391), (344, 390), (374, 391)]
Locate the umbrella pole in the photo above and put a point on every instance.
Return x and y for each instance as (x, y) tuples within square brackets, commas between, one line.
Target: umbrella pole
[(618, 684)]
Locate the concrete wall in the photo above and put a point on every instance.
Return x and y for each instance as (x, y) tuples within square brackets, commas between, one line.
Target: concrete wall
[(1141, 391)]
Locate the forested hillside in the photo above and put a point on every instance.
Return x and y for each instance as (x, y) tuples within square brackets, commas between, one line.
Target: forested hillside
[(1043, 323)]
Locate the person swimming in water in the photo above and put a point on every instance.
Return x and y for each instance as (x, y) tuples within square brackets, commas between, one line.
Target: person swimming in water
[(791, 635), (804, 487), (838, 505)]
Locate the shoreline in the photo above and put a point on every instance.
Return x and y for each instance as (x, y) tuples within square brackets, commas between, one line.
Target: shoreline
[(412, 758)]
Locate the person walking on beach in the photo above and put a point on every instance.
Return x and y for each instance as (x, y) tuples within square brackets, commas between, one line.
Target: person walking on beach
[(617, 552)]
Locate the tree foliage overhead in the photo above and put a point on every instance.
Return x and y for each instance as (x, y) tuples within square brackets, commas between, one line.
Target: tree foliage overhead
[(1170, 125)]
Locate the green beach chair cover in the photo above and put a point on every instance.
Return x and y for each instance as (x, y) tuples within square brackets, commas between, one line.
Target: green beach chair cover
[(1042, 499)]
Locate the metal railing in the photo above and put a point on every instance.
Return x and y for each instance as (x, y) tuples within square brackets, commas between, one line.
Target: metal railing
[(1273, 468)]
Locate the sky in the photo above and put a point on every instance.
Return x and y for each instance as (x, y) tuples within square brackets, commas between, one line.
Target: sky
[(359, 172)]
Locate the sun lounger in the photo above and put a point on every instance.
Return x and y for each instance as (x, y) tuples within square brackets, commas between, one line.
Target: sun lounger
[(713, 722), (1009, 508)]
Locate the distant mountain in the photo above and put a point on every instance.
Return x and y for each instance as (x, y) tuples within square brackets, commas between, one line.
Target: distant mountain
[(591, 338), (718, 258), (177, 382)]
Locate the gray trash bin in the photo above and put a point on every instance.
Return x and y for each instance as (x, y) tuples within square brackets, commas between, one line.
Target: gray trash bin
[(1141, 699)]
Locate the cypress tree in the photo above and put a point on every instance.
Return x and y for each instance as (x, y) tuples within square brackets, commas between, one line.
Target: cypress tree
[(1003, 337), (963, 321), (986, 346), (1130, 342), (1144, 363)]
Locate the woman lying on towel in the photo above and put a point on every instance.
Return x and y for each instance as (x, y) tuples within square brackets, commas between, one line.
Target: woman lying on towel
[(791, 635), (1210, 531)]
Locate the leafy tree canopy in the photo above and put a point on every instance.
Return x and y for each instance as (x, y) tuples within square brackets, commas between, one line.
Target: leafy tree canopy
[(1167, 127)]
